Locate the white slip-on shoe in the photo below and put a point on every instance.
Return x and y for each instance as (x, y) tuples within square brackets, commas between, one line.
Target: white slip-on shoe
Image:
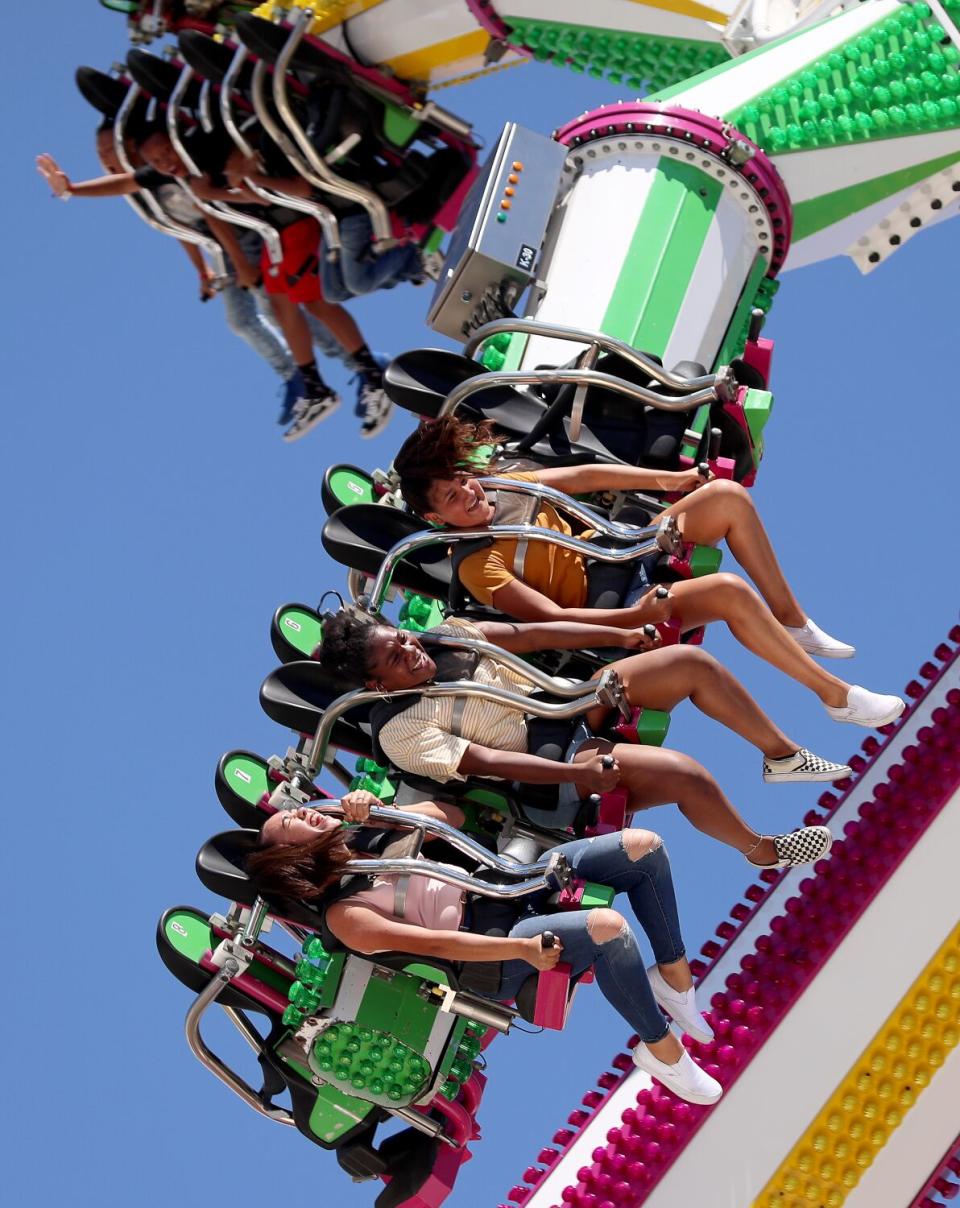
[(685, 1079), (811, 638), (803, 765), (681, 1006), (870, 709)]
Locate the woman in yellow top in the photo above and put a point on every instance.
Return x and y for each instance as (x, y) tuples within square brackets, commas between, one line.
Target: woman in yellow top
[(437, 485)]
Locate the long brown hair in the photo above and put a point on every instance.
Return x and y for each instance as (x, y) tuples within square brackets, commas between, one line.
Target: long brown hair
[(439, 449), (300, 871)]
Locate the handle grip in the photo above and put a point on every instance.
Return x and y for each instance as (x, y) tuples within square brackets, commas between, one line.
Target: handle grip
[(716, 436), (608, 762), (548, 940), (662, 592), (650, 630)]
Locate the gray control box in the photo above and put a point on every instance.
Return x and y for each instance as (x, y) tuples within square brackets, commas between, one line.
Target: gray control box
[(496, 245)]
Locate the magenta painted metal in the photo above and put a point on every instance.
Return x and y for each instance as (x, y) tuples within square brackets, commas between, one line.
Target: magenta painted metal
[(553, 997), (489, 19), (641, 119), (612, 814), (944, 1181), (759, 355), (783, 962), (257, 990)]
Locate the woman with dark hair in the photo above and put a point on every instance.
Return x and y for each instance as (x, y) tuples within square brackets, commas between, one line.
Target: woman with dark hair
[(303, 851), (437, 467), (445, 738)]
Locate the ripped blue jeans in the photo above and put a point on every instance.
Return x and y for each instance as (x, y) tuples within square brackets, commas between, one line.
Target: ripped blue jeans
[(619, 964)]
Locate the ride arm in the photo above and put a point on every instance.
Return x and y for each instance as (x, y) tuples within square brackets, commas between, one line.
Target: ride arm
[(365, 930), (551, 634), (584, 480)]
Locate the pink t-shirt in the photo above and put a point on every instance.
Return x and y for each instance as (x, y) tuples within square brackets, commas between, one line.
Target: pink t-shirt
[(422, 902)]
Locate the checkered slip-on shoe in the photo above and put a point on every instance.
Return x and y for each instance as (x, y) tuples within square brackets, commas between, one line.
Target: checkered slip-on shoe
[(804, 846), (804, 765)]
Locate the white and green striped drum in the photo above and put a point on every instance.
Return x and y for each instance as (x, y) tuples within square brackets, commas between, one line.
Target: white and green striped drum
[(670, 223)]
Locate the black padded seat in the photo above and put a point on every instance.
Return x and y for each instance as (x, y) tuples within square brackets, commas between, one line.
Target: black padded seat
[(190, 974), (104, 92), (360, 536), (266, 41), (296, 695), (420, 380), (211, 59), (159, 77)]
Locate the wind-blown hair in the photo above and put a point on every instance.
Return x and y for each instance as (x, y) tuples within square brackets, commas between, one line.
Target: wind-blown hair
[(439, 449), (299, 871), (344, 653)]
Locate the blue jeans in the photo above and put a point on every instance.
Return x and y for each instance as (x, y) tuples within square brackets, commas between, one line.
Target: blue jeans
[(359, 272), (619, 964)]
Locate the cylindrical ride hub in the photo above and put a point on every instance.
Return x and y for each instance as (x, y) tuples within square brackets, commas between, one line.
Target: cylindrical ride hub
[(669, 224)]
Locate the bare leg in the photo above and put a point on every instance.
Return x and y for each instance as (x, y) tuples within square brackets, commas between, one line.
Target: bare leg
[(341, 324), (660, 679), (726, 597), (654, 776), (294, 326), (724, 511)]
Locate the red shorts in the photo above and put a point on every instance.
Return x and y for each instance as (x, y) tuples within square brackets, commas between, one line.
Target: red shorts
[(298, 274)]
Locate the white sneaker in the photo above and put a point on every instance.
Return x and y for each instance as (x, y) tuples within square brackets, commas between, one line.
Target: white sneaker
[(871, 709), (685, 1079), (811, 638), (309, 413), (804, 765), (681, 1006)]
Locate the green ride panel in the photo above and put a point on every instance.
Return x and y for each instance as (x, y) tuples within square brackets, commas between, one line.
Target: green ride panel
[(247, 777), (301, 629)]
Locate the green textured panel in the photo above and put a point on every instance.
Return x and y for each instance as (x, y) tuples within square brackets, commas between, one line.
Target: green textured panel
[(705, 560), (662, 256), (757, 405), (419, 613), (302, 630), (633, 59), (739, 326), (247, 777), (393, 1004), (335, 1113), (427, 971), (819, 212), (899, 76)]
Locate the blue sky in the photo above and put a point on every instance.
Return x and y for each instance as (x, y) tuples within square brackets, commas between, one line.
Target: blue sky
[(154, 520)]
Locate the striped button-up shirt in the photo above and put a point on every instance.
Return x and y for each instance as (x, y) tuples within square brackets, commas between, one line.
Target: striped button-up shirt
[(430, 738)]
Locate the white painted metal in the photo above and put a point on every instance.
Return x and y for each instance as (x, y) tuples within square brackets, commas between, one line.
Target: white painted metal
[(900, 211), (904, 1164), (718, 280), (599, 218), (398, 27), (926, 881), (631, 16)]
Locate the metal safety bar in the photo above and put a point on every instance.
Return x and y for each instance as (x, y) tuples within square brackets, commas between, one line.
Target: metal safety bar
[(214, 209), (581, 511), (146, 206), (210, 1060), (362, 696), (723, 380), (403, 820), (340, 187), (328, 224), (575, 377), (525, 532)]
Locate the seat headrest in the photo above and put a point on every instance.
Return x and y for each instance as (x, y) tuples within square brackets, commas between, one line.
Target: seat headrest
[(296, 695), (221, 868), (360, 535)]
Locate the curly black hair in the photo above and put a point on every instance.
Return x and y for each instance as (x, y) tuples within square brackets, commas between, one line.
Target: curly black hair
[(344, 652)]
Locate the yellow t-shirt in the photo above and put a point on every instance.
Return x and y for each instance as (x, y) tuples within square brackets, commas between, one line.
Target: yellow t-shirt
[(555, 572)]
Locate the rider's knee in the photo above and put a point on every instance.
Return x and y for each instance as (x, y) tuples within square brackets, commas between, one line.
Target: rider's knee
[(731, 492), (604, 925), (639, 843)]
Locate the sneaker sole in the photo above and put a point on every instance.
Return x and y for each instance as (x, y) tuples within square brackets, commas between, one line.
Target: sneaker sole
[(291, 435), (819, 652), (808, 777), (686, 1096), (874, 723)]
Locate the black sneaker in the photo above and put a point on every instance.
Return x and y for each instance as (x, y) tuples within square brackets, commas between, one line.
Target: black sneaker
[(373, 406), (313, 410)]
